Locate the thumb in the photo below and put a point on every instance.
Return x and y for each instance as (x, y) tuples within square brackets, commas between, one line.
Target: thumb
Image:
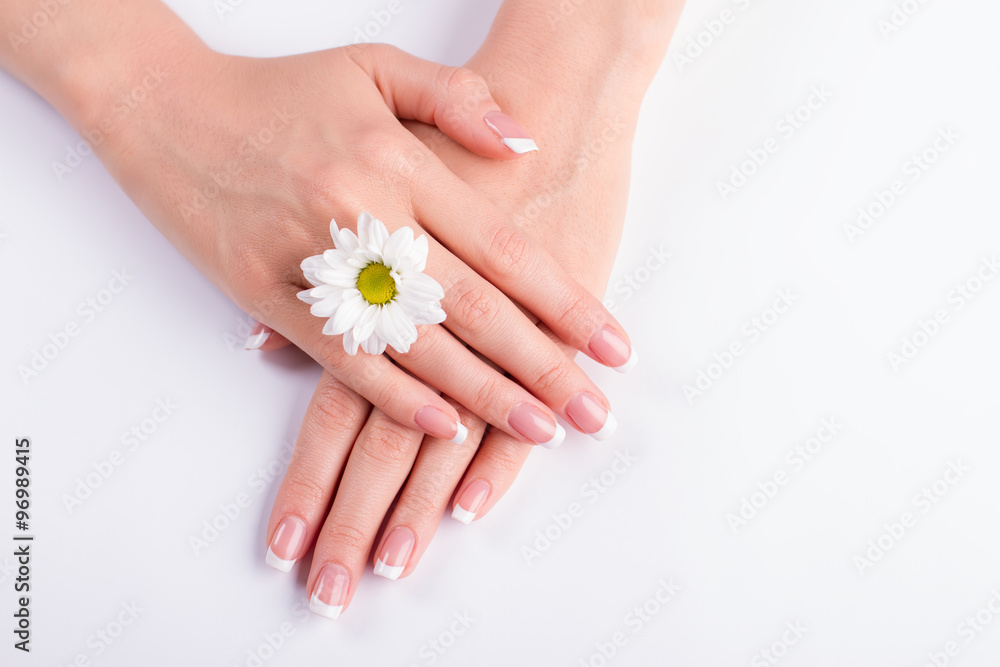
[(455, 99)]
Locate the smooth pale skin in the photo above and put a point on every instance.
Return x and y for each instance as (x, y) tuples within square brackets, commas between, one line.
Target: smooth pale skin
[(242, 162), (580, 85)]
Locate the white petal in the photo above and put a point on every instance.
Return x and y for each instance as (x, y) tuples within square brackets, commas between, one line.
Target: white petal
[(326, 291), (346, 316), (308, 297), (327, 307), (310, 265), (341, 278), (367, 322), (420, 286), (343, 239), (421, 312), (397, 251), (350, 342), (373, 345), (365, 220), (419, 253), (336, 258), (396, 328), (375, 236)]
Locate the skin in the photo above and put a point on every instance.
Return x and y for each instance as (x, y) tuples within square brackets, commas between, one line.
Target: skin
[(574, 76), (541, 79), (227, 154)]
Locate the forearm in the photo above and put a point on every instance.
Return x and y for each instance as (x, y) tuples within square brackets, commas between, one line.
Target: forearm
[(83, 55), (584, 49)]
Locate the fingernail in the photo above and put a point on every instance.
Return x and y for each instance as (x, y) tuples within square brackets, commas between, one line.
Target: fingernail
[(591, 417), (609, 346), (396, 552), (511, 134), (440, 425), (536, 426), (287, 542), (471, 500), (330, 591), (258, 336)]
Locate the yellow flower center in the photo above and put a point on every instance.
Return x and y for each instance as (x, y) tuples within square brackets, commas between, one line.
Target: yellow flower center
[(376, 284)]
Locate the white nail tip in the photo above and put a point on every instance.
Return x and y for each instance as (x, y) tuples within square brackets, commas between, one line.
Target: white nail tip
[(633, 359), (278, 563), (383, 570), (461, 434), (325, 610), (463, 515), (557, 438), (256, 341), (608, 430), (521, 146)]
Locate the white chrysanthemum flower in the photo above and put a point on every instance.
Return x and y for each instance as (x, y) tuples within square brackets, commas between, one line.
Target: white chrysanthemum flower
[(372, 287)]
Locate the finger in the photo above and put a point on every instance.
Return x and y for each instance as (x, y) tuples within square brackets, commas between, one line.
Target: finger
[(459, 373), (424, 500), (455, 99), (489, 476), (378, 465), (402, 397), (484, 238), (330, 427), (485, 319)]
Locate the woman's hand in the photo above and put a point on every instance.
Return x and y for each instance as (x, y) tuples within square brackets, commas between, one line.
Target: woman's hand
[(573, 207), (242, 163)]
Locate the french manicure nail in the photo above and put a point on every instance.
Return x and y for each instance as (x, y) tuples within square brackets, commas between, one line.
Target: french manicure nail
[(471, 500), (330, 592), (511, 134), (286, 543), (610, 347), (258, 336), (440, 425), (395, 553), (536, 426), (591, 417)]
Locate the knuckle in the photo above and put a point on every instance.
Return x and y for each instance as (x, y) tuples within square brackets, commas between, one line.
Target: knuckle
[(463, 81), (305, 490), (501, 458), (348, 537), (474, 306), (423, 500), (552, 376), (577, 315), (335, 405), (387, 444), (508, 250)]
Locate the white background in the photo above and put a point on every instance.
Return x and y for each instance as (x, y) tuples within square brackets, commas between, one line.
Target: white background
[(171, 335)]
